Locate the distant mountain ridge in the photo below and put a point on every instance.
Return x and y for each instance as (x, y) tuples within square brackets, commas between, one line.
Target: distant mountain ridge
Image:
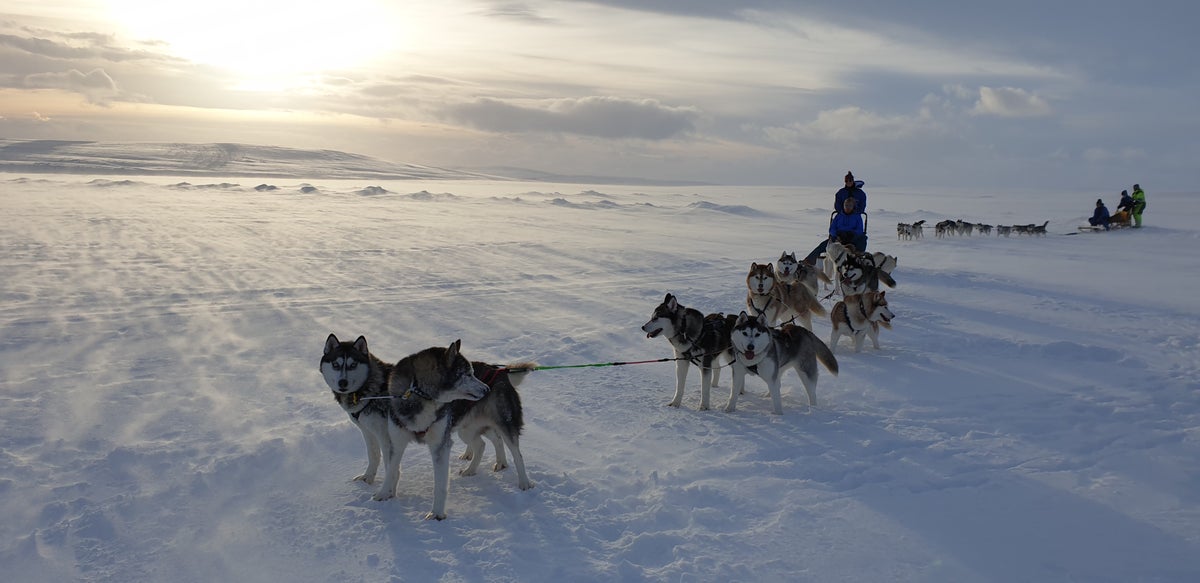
[(219, 159), (246, 160)]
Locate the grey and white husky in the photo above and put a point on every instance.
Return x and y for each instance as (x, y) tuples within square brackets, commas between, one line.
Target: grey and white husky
[(437, 392), (767, 352), (859, 316), (699, 340), (359, 380)]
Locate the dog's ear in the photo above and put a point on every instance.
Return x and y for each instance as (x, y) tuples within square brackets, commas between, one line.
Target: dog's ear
[(672, 303), (762, 320), (742, 317), (452, 351), (668, 298), (331, 343), (361, 345)]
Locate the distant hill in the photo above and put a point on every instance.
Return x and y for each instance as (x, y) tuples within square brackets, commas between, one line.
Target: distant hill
[(222, 159), (136, 158)]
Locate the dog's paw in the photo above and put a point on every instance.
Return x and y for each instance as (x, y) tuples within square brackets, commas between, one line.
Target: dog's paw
[(364, 478), (526, 486), (432, 516), (673, 404), (381, 496), (730, 408), (466, 472), (499, 467), (704, 407), (466, 455)]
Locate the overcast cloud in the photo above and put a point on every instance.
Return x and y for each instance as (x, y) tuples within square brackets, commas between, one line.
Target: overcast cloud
[(1014, 94)]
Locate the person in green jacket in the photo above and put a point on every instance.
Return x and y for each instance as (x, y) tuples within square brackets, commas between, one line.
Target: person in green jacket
[(1139, 204)]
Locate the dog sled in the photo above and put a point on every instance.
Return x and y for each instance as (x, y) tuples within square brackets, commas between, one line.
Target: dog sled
[(1119, 220)]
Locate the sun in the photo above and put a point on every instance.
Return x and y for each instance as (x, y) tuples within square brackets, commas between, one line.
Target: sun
[(266, 38)]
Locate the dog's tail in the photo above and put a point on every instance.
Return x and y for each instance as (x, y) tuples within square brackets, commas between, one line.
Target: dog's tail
[(825, 356), (886, 278), (812, 304), (518, 370)]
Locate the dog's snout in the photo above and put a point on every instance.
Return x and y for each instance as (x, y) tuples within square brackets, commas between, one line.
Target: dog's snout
[(343, 383)]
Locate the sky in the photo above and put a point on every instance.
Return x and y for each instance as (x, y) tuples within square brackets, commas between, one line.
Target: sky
[(1016, 94)]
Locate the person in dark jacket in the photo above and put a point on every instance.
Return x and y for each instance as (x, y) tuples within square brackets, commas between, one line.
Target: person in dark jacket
[(1126, 203), (846, 227), (853, 188), (1100, 216)]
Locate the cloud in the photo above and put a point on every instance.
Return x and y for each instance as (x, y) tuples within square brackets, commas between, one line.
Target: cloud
[(604, 117), (1010, 102), (95, 84), (850, 124), (1099, 155)]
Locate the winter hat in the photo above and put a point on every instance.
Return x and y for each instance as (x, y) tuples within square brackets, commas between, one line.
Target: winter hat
[(1099, 202), (1137, 187), (1125, 192), (850, 176)]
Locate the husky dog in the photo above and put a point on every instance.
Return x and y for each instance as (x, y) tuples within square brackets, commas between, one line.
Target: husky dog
[(438, 391), (778, 301), (790, 271), (859, 316), (918, 229), (835, 256), (766, 352), (1003, 230), (358, 380), (886, 263), (861, 273), (697, 339)]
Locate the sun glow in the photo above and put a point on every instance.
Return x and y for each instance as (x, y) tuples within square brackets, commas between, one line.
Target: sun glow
[(266, 38)]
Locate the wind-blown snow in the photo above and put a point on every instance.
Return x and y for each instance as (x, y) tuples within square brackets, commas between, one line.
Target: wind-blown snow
[(1032, 416)]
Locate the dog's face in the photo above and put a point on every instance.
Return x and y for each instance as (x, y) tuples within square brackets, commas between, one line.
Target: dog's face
[(877, 307), (345, 365), (750, 337), (787, 266), (663, 318), (761, 278)]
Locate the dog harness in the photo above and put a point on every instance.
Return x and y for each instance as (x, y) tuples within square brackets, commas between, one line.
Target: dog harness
[(713, 325), (862, 309)]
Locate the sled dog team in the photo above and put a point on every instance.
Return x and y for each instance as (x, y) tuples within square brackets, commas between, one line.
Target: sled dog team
[(428, 396), (965, 229), (774, 332)]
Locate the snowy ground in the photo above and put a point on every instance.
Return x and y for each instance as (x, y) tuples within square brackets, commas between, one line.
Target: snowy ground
[(1032, 416)]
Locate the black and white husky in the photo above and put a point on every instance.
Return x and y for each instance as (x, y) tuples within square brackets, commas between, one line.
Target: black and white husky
[(699, 340), (767, 352), (359, 383), (437, 392)]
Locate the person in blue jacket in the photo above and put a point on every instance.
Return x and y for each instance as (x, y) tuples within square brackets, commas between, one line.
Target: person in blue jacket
[(1100, 216), (854, 189), (846, 227)]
